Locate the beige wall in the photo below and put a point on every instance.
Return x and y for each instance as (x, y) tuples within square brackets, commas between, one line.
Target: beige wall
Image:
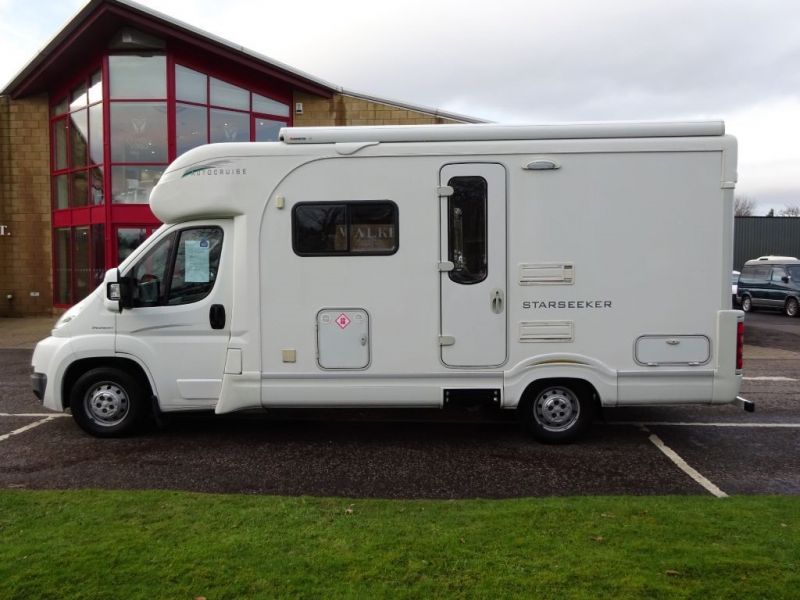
[(26, 254), (349, 110)]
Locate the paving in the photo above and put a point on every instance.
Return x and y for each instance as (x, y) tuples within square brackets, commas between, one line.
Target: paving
[(424, 454)]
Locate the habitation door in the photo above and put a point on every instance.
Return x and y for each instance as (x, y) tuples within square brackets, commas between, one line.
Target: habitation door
[(473, 264)]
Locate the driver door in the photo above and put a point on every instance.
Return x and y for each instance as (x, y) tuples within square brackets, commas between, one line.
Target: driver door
[(179, 325)]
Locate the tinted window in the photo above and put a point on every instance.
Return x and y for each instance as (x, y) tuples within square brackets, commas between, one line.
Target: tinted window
[(466, 229), (794, 273), (755, 274), (351, 228)]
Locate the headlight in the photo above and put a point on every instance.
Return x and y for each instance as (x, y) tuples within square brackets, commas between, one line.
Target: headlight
[(69, 315)]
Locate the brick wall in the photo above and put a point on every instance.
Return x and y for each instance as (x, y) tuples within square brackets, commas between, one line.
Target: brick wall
[(349, 110), (25, 254)]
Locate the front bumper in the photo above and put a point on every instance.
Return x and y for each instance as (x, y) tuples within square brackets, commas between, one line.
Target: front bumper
[(39, 384)]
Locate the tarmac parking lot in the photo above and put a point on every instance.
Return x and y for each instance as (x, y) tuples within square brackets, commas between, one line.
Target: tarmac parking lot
[(719, 450)]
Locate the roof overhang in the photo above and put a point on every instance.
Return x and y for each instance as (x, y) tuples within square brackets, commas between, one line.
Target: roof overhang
[(98, 20)]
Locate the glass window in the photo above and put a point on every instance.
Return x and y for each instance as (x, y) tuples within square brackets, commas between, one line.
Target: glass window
[(61, 107), (98, 254), (79, 136), (96, 194), (63, 293), (96, 87), (191, 124), (132, 185), (96, 134), (327, 228), (139, 132), (61, 191), (794, 273), (373, 228), (196, 265), (150, 274), (778, 273), (190, 85), (267, 131), (80, 188), (137, 76), (60, 144), (229, 126), (269, 107), (466, 230), (128, 239), (79, 97), (229, 96), (81, 273), (319, 228)]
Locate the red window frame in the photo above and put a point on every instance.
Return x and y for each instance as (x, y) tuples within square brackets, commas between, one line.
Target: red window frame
[(114, 216)]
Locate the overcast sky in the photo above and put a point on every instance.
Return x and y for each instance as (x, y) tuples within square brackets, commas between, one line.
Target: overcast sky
[(532, 61)]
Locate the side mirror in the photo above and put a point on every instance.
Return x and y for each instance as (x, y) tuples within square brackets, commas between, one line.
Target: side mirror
[(119, 291), (785, 279)]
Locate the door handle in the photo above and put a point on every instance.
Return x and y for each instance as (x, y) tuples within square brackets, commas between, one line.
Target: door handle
[(497, 301), (216, 316)]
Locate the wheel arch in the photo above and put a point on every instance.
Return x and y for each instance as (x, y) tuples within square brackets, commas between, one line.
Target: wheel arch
[(82, 365), (601, 378)]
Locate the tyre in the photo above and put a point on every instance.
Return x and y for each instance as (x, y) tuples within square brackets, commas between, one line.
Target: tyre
[(792, 308), (558, 411), (747, 304), (108, 402)]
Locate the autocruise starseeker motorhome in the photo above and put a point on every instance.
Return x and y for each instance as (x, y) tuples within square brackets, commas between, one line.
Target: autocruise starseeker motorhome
[(523, 267)]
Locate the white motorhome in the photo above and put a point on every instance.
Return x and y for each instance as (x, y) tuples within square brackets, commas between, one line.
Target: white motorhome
[(531, 268)]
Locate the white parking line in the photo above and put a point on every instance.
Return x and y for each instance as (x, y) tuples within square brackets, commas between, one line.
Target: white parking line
[(4, 437), (34, 415), (684, 466), (769, 379), (699, 424)]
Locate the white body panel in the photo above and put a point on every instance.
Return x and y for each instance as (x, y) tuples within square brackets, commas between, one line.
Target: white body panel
[(584, 255)]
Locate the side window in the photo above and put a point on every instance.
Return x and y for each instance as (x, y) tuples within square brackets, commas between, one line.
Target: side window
[(179, 269), (344, 228), (196, 265), (778, 273), (150, 273), (467, 229)]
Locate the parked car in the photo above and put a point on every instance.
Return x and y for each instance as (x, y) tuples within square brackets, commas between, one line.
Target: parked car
[(770, 282), (734, 286)]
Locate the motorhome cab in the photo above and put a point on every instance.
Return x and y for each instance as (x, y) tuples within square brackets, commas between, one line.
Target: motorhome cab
[(519, 266)]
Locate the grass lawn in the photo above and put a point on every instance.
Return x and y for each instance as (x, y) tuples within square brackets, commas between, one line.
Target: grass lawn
[(126, 545)]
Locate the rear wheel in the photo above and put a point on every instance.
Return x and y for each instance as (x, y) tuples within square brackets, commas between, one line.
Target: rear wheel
[(747, 304), (792, 308), (558, 411), (108, 402)]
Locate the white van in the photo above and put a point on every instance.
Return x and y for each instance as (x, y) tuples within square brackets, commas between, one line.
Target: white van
[(426, 266)]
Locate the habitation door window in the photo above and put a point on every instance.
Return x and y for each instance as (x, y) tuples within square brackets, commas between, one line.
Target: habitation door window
[(467, 229), (345, 229)]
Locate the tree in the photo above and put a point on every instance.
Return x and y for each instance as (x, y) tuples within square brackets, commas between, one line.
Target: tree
[(743, 206), (771, 212), (791, 210)]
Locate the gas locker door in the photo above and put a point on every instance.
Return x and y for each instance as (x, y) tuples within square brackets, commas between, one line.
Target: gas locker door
[(473, 265)]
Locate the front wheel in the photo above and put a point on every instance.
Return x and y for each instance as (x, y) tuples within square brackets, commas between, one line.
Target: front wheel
[(747, 304), (108, 402), (558, 411), (792, 308)]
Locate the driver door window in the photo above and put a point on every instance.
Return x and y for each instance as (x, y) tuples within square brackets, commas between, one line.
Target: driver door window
[(179, 269), (150, 274)]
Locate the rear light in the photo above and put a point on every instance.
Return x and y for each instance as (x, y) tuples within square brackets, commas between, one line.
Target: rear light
[(739, 345)]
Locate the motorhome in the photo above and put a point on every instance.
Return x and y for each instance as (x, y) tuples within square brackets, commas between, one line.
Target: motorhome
[(520, 267)]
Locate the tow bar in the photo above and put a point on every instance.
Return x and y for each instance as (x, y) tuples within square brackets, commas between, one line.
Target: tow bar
[(747, 405)]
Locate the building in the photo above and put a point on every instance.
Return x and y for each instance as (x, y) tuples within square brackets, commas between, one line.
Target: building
[(90, 124)]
